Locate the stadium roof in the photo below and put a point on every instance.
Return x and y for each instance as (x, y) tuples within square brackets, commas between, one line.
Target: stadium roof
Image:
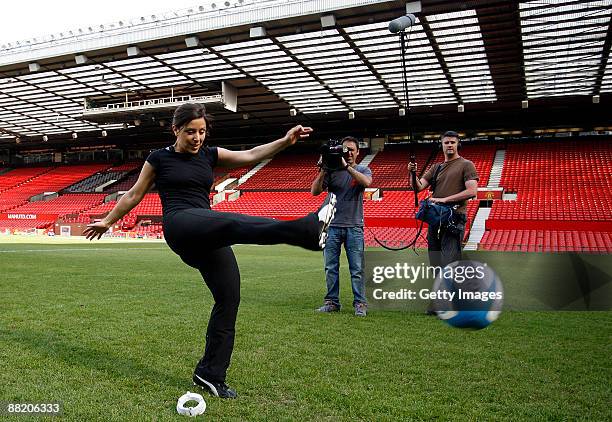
[(485, 55)]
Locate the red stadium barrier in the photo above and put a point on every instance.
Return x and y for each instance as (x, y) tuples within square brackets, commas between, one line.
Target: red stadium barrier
[(22, 216)]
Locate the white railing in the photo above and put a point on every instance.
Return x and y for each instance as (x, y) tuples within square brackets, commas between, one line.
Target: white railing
[(169, 101), (181, 22)]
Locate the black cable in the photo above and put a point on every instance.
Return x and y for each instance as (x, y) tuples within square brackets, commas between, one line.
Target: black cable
[(412, 154), (410, 245)]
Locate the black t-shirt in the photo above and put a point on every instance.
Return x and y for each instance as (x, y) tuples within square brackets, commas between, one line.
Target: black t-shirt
[(182, 179)]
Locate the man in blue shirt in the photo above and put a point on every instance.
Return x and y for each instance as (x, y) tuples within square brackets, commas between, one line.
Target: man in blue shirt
[(348, 184)]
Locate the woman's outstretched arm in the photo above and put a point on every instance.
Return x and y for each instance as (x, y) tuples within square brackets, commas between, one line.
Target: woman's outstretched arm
[(125, 204), (228, 158)]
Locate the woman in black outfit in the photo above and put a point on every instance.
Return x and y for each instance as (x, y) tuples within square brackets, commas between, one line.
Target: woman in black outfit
[(183, 174)]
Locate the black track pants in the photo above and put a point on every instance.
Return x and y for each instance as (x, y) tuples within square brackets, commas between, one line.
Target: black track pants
[(443, 247), (220, 272), (202, 238), (192, 231)]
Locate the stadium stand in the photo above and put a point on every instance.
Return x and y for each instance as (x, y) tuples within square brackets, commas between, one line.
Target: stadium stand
[(9, 200), (481, 155), (147, 229), (237, 172), (547, 241), (150, 205), (101, 209), (128, 166), (89, 184), (128, 174), (394, 237), (18, 176), (389, 167), (221, 174), (11, 196), (284, 173), (393, 216), (563, 198), (131, 172), (556, 186), (551, 165), (81, 218), (281, 205), (396, 204), (42, 180), (24, 225), (123, 185), (62, 205), (128, 222), (397, 207)]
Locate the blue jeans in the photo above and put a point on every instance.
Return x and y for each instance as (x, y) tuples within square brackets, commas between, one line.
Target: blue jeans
[(352, 238)]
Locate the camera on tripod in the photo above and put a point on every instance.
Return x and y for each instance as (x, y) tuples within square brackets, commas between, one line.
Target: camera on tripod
[(331, 155)]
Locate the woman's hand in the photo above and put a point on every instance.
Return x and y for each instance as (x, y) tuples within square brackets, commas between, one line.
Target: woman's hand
[(296, 133), (95, 229)]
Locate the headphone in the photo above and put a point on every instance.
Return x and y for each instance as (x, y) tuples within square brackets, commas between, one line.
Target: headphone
[(450, 134)]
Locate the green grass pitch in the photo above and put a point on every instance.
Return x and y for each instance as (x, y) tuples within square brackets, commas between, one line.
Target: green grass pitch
[(113, 331)]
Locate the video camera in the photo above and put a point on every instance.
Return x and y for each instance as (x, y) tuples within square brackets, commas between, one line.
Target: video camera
[(331, 155)]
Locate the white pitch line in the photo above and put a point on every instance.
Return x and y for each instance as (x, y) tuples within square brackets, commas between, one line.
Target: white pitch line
[(80, 249)]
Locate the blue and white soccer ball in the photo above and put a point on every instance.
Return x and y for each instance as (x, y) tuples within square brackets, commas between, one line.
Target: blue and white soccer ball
[(469, 294)]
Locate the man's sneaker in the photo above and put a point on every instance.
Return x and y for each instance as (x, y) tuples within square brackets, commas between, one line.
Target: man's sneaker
[(217, 389), (329, 306), (326, 215), (361, 309)]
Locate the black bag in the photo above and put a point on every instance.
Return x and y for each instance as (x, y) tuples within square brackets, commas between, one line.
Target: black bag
[(456, 224), (434, 214), (440, 215), (430, 213)]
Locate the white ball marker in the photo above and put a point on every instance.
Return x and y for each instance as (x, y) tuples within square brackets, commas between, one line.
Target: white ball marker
[(191, 411)]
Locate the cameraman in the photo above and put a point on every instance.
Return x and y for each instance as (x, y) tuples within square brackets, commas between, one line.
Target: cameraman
[(456, 181), (348, 184)]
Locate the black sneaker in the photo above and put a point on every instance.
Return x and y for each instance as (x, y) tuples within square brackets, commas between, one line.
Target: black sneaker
[(217, 389), (326, 215), (430, 310)]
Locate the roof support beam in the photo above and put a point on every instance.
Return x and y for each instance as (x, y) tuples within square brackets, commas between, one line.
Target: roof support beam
[(27, 82), (604, 59), (30, 118), (239, 69), (507, 71), (5, 131), (18, 99), (367, 63), (118, 72), (4, 124), (205, 86), (440, 57), (73, 79), (306, 69)]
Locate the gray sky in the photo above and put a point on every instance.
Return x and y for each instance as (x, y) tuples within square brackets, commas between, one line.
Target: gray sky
[(25, 19)]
